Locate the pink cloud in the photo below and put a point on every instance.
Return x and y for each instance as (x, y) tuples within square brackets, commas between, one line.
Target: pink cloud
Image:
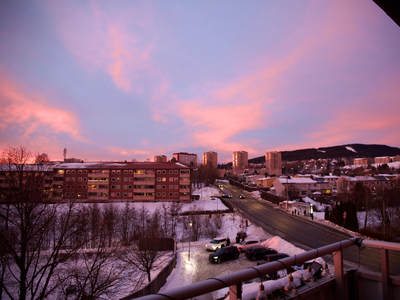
[(30, 111), (372, 119), (105, 40), (128, 152)]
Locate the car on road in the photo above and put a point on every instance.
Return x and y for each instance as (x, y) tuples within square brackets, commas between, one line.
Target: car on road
[(243, 246), (242, 196), (216, 243), (226, 196), (224, 254), (258, 252)]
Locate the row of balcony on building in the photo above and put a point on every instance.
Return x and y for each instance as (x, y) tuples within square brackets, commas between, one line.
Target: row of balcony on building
[(128, 181)]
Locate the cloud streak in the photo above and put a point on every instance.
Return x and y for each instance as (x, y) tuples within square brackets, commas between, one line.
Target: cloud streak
[(31, 112)]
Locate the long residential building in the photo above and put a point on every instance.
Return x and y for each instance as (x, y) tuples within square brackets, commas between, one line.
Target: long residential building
[(119, 181)]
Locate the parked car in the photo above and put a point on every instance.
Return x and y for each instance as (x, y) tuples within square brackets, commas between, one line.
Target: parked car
[(216, 243), (226, 196), (224, 254), (242, 247), (242, 196), (274, 257), (259, 252)]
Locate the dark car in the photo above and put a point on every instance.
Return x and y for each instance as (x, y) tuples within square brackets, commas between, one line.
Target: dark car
[(258, 252), (223, 254), (274, 257), (226, 196)]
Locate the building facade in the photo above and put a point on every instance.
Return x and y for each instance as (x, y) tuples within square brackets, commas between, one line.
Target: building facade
[(240, 160), (273, 163), (160, 158), (210, 158), (113, 181), (188, 159)]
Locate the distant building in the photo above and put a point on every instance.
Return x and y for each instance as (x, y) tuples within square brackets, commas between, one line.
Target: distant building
[(72, 160), (273, 163), (395, 158), (382, 160), (363, 161), (188, 159), (240, 160), (210, 158), (160, 158), (347, 184)]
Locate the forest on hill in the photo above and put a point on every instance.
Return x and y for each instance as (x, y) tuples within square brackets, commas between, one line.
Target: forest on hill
[(338, 152)]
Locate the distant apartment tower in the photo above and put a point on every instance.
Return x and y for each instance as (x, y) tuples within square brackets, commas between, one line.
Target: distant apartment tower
[(210, 158), (188, 159), (273, 163), (240, 160), (160, 158)]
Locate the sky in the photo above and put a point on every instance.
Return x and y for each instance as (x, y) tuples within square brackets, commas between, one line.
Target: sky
[(129, 80)]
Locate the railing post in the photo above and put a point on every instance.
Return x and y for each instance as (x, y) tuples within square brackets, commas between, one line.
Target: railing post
[(338, 271), (235, 292), (385, 274)]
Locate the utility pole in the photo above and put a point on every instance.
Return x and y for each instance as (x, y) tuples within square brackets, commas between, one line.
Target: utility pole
[(287, 192)]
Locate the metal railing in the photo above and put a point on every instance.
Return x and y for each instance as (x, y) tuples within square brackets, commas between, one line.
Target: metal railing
[(234, 280)]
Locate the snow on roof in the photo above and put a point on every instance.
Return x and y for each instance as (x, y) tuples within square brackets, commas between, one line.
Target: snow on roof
[(365, 178), (27, 167), (121, 165), (284, 180)]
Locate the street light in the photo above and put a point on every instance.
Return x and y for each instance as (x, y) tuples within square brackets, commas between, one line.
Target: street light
[(190, 229)]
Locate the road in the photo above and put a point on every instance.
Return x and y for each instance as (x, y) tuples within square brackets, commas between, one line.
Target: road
[(305, 233)]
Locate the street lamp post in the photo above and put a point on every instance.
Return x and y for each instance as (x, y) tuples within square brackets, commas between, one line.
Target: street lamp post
[(190, 229)]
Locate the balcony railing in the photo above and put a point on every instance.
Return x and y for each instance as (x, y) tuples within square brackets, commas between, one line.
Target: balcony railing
[(338, 287)]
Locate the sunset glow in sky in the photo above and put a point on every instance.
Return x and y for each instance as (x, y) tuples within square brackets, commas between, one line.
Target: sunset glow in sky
[(123, 80)]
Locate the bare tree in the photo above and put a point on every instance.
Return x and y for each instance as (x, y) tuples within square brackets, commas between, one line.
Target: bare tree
[(29, 225), (146, 254), (95, 274), (42, 158), (128, 225)]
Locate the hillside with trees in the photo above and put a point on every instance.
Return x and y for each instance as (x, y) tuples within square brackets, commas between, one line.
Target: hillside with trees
[(343, 151)]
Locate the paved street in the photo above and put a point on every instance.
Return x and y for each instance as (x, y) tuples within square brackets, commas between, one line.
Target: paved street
[(303, 232)]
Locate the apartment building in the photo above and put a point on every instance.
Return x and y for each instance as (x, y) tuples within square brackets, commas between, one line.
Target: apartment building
[(273, 163), (114, 181), (188, 159), (373, 183), (382, 160), (160, 158), (301, 187), (210, 158), (363, 161), (240, 160)]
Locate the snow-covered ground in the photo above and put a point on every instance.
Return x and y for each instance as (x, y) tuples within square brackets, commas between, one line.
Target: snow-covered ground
[(194, 268), (189, 269)]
